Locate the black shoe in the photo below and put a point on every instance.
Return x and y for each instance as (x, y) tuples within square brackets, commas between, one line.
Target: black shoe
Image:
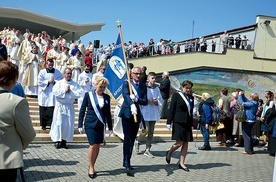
[(57, 145), (128, 172), (185, 169), (204, 147), (272, 155), (43, 128), (168, 160), (92, 176), (63, 144)]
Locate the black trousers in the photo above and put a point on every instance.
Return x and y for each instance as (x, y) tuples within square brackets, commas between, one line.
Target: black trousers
[(130, 129), (46, 115), (8, 175)]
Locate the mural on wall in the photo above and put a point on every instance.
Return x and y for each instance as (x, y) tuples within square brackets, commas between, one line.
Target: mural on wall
[(212, 81)]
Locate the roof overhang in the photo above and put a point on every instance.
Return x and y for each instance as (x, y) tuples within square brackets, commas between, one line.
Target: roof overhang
[(23, 19)]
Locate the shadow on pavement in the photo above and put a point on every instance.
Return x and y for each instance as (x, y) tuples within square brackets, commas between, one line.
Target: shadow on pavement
[(43, 175), (47, 162)]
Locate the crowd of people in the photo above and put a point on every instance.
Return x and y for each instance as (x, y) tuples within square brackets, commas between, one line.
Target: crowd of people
[(19, 44), (245, 133), (59, 76)]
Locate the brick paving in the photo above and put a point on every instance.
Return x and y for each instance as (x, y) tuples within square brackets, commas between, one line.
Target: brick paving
[(45, 163)]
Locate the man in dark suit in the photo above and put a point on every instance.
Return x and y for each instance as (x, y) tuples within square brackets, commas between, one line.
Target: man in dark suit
[(164, 87), (144, 75), (129, 108)]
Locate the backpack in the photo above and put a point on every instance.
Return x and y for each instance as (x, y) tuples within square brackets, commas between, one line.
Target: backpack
[(216, 115)]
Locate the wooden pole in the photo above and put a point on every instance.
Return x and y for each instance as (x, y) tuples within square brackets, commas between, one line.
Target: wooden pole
[(126, 63)]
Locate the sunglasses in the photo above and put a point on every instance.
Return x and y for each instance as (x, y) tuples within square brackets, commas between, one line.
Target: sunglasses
[(136, 73)]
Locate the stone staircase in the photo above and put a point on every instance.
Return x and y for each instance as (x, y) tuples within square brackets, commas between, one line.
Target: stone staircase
[(161, 133)]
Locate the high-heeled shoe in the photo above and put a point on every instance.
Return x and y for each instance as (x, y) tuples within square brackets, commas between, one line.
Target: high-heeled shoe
[(168, 160), (184, 168)]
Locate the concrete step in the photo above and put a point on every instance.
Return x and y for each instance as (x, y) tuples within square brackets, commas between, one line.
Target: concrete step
[(161, 132), (45, 137)]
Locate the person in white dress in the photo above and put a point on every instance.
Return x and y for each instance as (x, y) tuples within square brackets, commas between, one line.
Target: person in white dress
[(85, 81), (150, 111), (66, 92), (46, 100)]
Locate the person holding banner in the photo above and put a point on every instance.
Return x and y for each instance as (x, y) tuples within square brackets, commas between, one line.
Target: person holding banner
[(181, 115), (96, 105), (129, 109)]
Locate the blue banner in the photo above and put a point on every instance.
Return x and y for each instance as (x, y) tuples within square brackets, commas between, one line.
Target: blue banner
[(116, 70)]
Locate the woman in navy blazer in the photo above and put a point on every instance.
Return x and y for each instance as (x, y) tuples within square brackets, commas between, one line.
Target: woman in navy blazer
[(96, 107), (181, 115)]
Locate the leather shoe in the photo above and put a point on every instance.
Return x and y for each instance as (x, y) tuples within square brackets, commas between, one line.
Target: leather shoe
[(222, 144), (184, 168), (63, 144), (167, 160), (92, 176), (57, 145), (204, 147), (127, 171), (249, 153)]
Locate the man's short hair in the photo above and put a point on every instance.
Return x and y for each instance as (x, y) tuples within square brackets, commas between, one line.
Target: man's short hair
[(166, 73)]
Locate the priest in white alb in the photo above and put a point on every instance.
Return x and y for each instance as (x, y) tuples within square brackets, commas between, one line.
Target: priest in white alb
[(85, 81), (66, 92), (46, 100), (32, 63)]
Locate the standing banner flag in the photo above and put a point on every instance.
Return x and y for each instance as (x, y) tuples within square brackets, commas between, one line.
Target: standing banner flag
[(116, 71)]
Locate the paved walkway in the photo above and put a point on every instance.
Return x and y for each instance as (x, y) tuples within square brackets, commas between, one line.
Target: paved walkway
[(45, 163)]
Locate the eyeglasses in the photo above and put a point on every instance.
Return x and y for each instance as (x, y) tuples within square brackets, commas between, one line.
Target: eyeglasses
[(136, 73), (187, 88)]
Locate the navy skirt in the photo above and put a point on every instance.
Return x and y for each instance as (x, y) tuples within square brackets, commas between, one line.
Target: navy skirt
[(95, 135), (182, 132)]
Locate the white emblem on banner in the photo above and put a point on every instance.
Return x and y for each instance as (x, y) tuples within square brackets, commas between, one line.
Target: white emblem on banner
[(118, 66)]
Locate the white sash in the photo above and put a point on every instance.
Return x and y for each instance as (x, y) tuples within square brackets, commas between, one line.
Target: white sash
[(186, 101), (134, 91), (97, 110), (143, 125)]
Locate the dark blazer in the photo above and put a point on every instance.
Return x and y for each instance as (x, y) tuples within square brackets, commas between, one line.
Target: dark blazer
[(125, 111), (91, 118), (178, 111), (165, 86)]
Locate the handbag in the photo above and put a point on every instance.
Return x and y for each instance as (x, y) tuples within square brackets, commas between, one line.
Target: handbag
[(218, 126), (240, 116)]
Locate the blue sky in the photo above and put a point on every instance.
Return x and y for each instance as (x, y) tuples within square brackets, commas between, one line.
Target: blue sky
[(145, 19)]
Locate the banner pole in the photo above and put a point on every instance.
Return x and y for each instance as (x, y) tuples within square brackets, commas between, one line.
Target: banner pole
[(126, 63)]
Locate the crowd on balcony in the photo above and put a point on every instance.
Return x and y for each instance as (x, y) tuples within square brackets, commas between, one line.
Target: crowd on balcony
[(15, 42)]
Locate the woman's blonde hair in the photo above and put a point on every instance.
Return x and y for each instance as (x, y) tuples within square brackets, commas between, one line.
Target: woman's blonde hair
[(101, 81), (205, 96), (254, 96)]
